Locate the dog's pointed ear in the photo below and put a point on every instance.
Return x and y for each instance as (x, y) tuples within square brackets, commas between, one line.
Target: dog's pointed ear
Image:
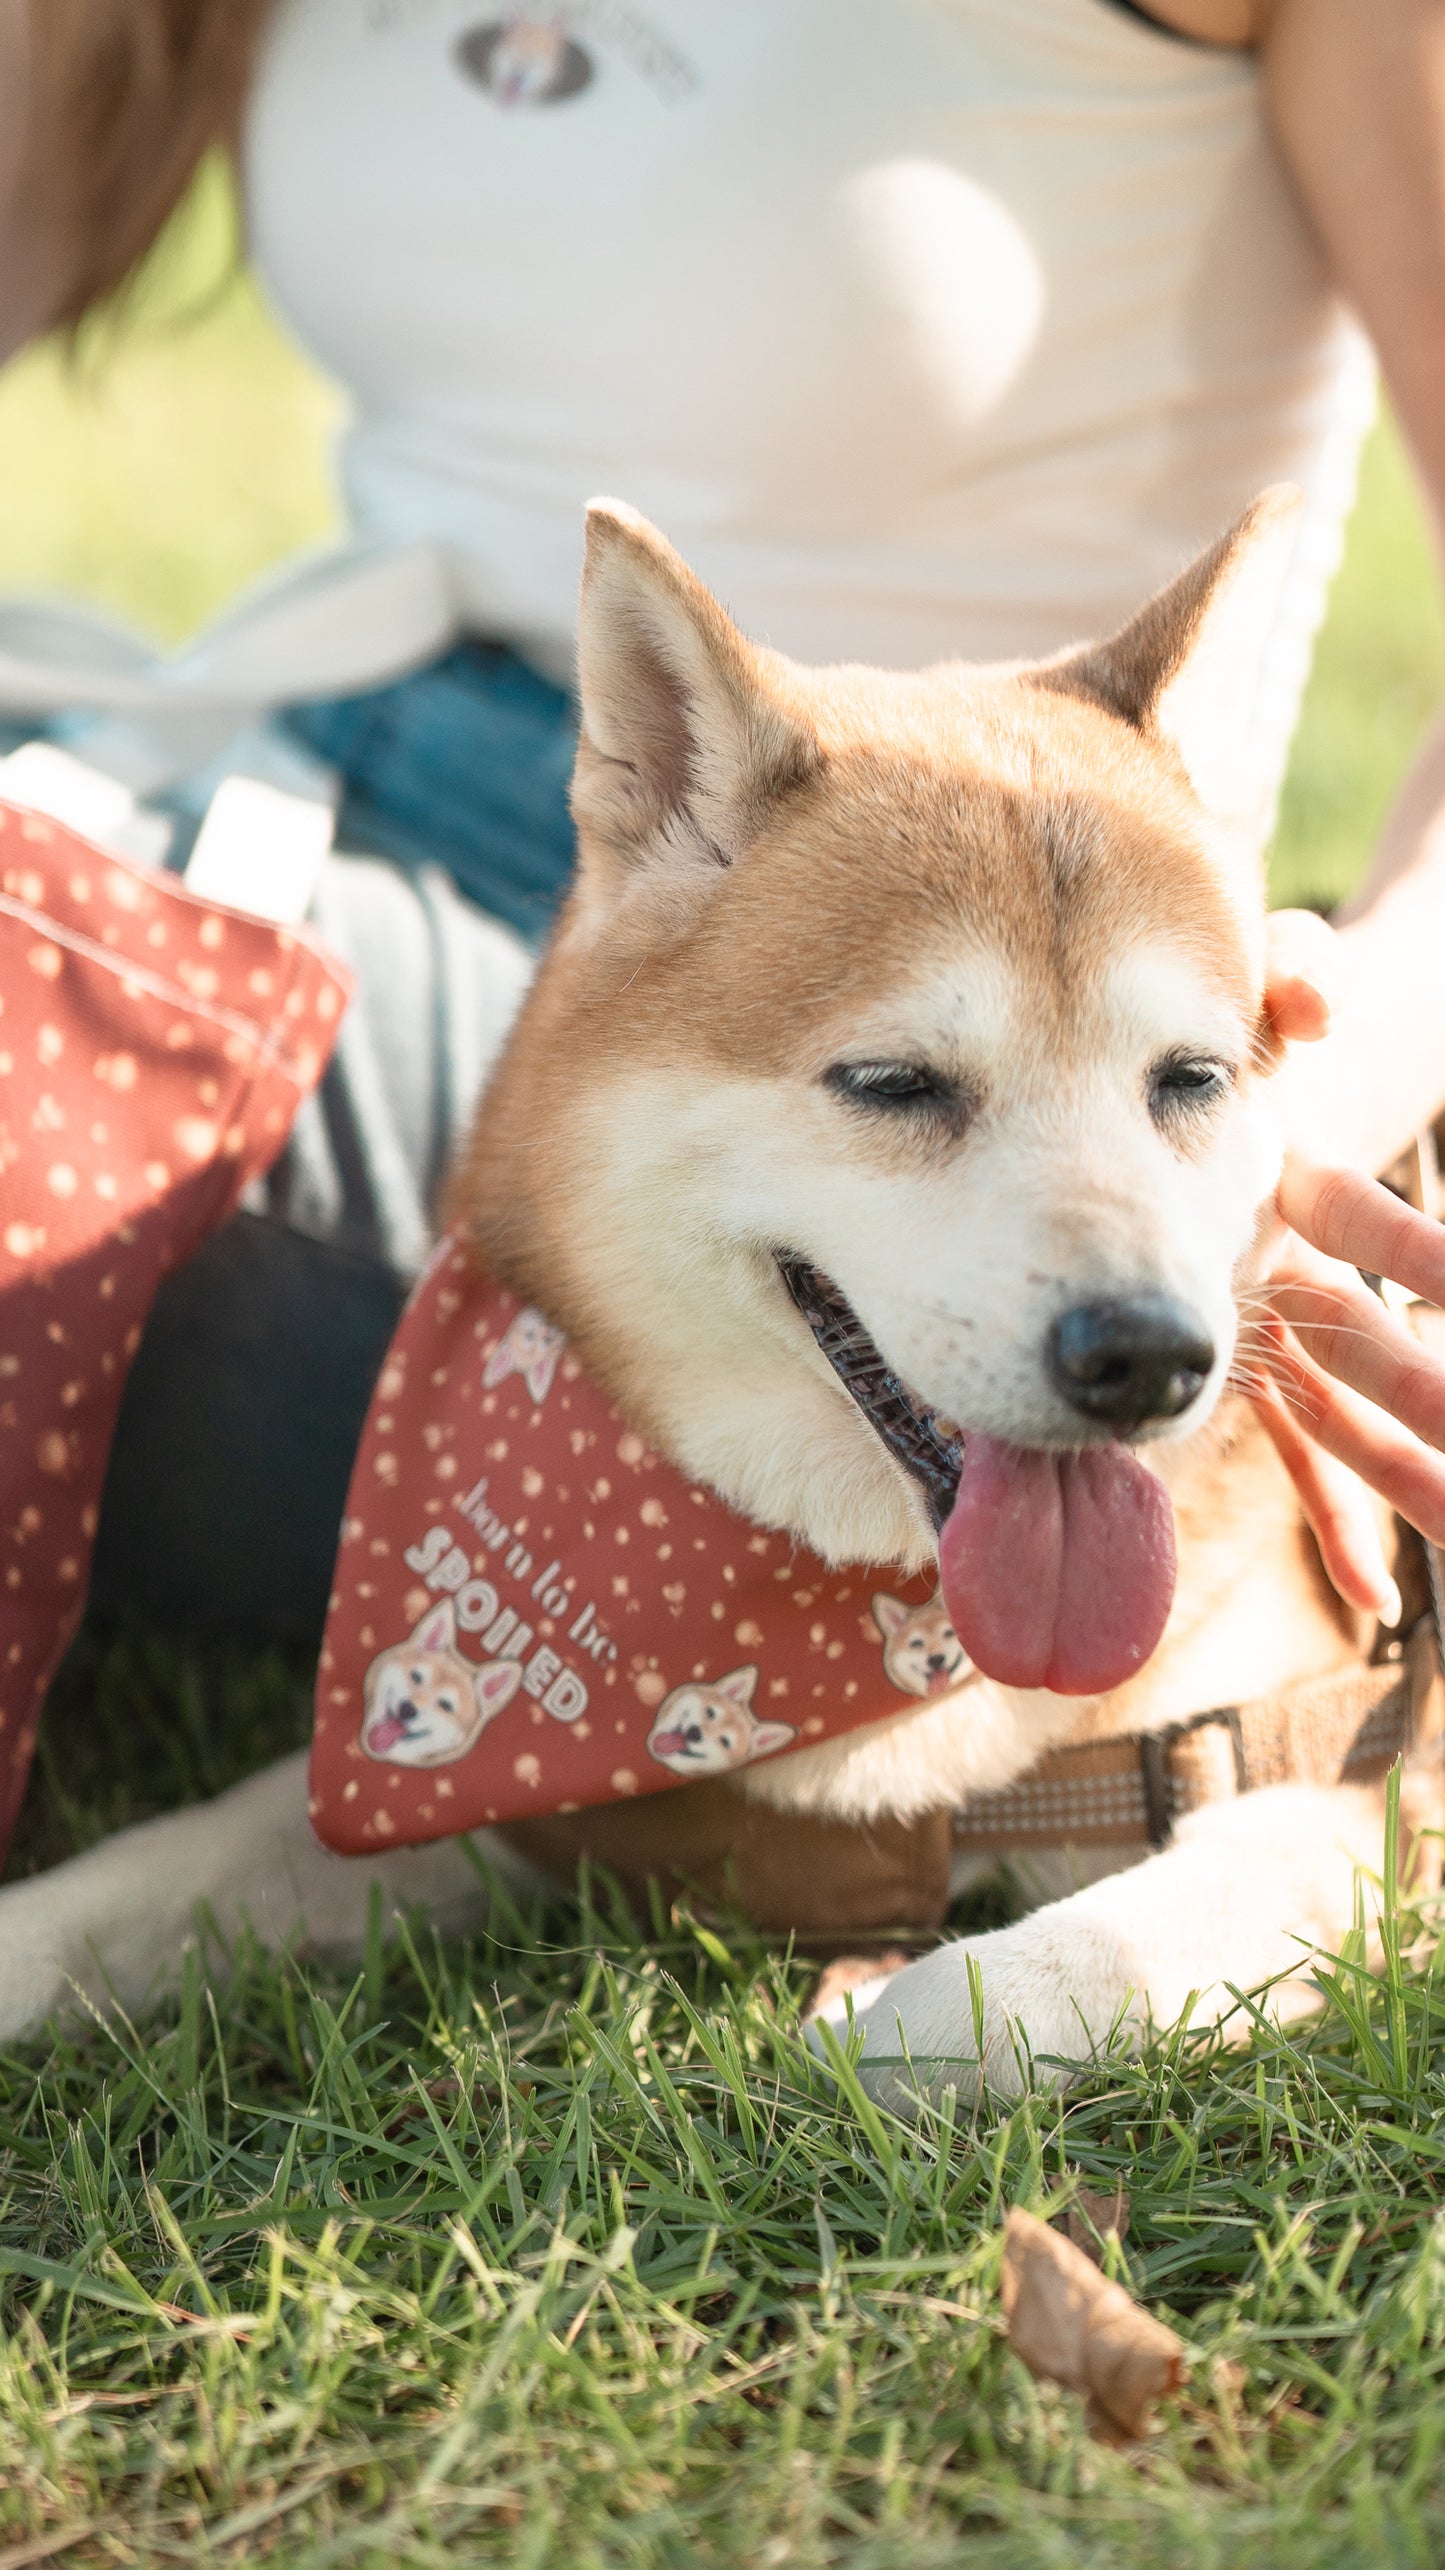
[(769, 1737), (495, 1685), (1187, 669), (437, 1630), (889, 1614), (686, 737), (738, 1685)]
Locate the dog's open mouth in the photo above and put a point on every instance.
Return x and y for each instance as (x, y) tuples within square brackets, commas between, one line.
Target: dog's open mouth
[(1057, 1565), (387, 1729), (927, 1446)]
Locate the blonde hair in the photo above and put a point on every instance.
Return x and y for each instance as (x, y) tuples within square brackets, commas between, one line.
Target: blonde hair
[(125, 97)]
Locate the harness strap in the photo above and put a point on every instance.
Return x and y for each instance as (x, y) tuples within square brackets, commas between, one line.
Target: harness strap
[(1129, 1792)]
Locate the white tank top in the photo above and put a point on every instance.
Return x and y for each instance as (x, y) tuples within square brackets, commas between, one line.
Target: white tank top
[(924, 328)]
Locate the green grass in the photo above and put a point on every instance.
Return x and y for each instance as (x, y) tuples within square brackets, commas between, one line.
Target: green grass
[(556, 2249)]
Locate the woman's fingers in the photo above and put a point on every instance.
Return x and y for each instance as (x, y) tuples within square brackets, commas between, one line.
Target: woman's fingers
[(1338, 1507), (1347, 1331), (1338, 1378), (1393, 1462), (1354, 1219)]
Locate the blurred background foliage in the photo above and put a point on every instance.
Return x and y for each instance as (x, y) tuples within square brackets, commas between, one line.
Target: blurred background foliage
[(176, 450), (183, 445)]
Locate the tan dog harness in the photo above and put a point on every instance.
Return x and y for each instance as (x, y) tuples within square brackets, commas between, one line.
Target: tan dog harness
[(1346, 1728)]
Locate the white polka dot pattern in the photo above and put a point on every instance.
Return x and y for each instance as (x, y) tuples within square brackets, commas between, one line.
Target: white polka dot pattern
[(531, 1612), (141, 1087)]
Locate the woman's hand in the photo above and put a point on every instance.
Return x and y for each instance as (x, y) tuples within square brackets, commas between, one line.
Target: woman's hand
[(1340, 1382), (1351, 1397)]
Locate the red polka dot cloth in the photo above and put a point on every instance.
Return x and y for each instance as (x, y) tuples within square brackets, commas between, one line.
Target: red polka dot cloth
[(533, 1613), (153, 1052)]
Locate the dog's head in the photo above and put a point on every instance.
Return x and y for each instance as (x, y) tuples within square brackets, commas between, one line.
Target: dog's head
[(922, 1654), (705, 1730), (933, 1004), (425, 1705)]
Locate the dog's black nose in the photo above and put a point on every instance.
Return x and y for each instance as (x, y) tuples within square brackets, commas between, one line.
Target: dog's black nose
[(1141, 1357)]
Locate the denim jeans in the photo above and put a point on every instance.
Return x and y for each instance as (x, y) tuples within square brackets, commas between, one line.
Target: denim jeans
[(464, 765)]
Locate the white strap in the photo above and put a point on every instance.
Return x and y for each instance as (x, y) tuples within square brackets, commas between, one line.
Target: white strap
[(260, 850), (42, 778)]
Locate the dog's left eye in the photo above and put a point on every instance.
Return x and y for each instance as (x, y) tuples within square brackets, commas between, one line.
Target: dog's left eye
[(892, 1086), (1185, 1081)]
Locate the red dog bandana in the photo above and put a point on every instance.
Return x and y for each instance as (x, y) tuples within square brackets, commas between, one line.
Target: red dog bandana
[(533, 1613), (154, 1049)]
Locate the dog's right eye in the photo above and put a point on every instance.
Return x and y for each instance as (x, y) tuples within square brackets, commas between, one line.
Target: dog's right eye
[(893, 1087)]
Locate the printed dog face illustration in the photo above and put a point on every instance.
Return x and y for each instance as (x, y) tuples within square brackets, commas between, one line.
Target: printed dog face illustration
[(425, 1704), (922, 1654), (707, 1728), (530, 1348)]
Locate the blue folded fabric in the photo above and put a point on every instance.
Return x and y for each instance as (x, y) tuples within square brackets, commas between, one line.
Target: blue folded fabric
[(464, 764)]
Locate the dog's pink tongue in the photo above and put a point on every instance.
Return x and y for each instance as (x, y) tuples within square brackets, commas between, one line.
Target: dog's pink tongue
[(1057, 1569)]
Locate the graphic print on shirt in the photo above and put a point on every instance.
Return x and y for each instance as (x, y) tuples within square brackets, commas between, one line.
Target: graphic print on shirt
[(541, 57), (707, 1730), (425, 1705), (523, 62)]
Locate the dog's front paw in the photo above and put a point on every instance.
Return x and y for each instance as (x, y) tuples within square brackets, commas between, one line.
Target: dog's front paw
[(1004, 2002), (34, 1978)]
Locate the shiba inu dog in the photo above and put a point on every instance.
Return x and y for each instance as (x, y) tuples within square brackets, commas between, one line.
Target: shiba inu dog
[(709, 1730), (893, 1129), (921, 1651), (425, 1703)]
